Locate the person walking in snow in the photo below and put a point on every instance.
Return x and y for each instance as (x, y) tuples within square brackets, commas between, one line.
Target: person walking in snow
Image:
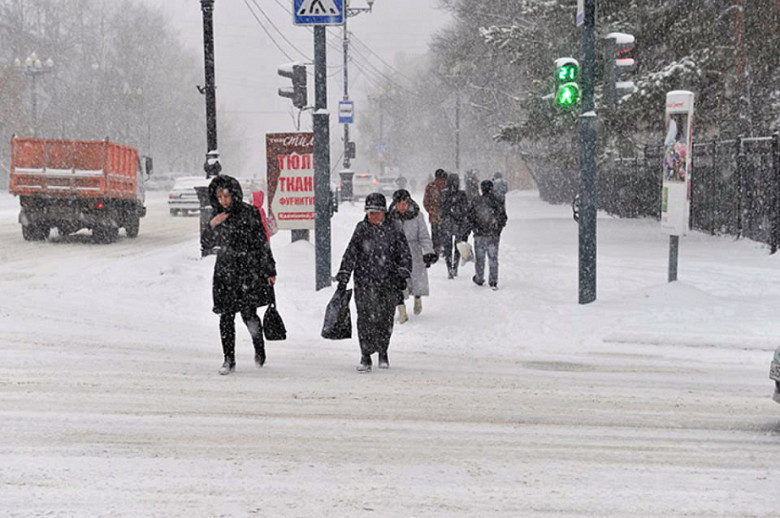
[(245, 270), (454, 209), (472, 184), (405, 213), (486, 218), (379, 256), (500, 187), (432, 204)]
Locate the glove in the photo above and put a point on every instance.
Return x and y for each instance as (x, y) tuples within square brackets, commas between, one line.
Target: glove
[(343, 279), (429, 259)]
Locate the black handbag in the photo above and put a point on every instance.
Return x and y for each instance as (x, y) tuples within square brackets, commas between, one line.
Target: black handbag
[(338, 319), (273, 325)]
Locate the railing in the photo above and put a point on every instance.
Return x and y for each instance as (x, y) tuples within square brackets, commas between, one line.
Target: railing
[(735, 187)]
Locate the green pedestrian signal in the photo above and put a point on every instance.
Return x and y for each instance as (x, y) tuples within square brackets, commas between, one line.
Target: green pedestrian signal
[(568, 95), (567, 76)]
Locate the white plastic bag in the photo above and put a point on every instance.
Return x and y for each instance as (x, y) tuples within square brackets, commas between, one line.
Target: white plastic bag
[(466, 252)]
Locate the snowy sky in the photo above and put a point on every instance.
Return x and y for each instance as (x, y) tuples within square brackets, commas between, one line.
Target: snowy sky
[(247, 60)]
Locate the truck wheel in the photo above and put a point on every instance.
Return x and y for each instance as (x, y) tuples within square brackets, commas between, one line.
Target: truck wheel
[(174, 212), (106, 233), (35, 232), (132, 226)]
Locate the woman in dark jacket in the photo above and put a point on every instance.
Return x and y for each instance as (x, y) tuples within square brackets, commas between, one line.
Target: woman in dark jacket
[(454, 211), (379, 255), (245, 271)]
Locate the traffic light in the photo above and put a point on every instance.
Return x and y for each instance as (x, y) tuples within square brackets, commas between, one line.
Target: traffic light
[(617, 64), (567, 76), (297, 92)]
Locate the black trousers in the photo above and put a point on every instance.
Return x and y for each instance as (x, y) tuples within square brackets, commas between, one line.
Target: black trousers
[(437, 237), (375, 312), (451, 252), (227, 331)]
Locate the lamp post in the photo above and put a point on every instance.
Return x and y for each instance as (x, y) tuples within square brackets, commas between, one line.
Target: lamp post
[(212, 166), (32, 67)]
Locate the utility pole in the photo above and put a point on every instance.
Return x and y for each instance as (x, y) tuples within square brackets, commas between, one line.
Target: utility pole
[(212, 165), (322, 203), (346, 90), (588, 167), (382, 134), (457, 132)]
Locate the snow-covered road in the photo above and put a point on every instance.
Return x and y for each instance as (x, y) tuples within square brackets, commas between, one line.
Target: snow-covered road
[(654, 401)]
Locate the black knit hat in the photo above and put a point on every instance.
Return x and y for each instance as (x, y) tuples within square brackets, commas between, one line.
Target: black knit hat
[(486, 186), (440, 173), (402, 194), (375, 202)]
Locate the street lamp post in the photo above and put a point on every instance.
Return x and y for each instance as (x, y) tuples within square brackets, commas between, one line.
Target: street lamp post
[(32, 67), (212, 166)]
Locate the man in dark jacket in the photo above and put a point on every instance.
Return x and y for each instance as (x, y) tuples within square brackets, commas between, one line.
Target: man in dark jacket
[(379, 255), (245, 270), (432, 204), (454, 224), (487, 218)]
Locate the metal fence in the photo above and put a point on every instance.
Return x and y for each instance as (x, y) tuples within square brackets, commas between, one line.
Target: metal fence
[(735, 187)]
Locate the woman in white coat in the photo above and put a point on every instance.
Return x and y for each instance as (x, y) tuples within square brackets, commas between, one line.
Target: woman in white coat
[(405, 213)]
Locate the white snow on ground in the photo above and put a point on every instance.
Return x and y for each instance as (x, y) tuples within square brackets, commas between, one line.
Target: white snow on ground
[(653, 401)]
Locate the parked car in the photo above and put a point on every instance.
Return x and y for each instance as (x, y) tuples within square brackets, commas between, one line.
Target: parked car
[(364, 184), (774, 374), (183, 199), (161, 182)]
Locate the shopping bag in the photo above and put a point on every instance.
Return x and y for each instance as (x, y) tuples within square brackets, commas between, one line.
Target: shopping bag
[(273, 325), (338, 319), (466, 252)]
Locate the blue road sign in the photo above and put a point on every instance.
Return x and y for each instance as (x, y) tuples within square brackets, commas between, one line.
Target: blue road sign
[(318, 12)]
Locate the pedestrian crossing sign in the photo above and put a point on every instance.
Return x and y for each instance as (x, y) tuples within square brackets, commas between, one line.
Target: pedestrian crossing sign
[(318, 12)]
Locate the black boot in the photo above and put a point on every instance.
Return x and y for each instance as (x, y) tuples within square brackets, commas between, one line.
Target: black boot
[(228, 366), (365, 364), (383, 361), (260, 356)]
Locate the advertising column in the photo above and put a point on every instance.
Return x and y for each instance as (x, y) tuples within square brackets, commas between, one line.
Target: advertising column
[(290, 180), (678, 154)]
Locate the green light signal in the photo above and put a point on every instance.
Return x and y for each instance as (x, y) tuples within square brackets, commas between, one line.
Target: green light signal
[(568, 73), (567, 76), (568, 95)]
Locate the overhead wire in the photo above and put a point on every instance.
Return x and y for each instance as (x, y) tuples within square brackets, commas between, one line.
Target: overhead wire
[(248, 6), (388, 65), (299, 51)]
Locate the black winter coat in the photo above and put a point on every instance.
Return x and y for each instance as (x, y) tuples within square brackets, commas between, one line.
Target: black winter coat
[(378, 255), (244, 258), (486, 216), (454, 211)]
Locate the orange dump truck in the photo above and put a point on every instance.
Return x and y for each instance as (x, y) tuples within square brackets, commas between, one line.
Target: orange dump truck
[(75, 184)]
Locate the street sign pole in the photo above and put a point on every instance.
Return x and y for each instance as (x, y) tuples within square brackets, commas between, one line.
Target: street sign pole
[(588, 167), (322, 202)]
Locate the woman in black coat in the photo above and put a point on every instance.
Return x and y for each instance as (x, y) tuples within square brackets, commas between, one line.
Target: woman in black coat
[(454, 213), (379, 255), (245, 271)]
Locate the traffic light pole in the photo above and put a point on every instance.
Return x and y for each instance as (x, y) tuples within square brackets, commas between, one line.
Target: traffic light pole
[(588, 167), (322, 203)]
